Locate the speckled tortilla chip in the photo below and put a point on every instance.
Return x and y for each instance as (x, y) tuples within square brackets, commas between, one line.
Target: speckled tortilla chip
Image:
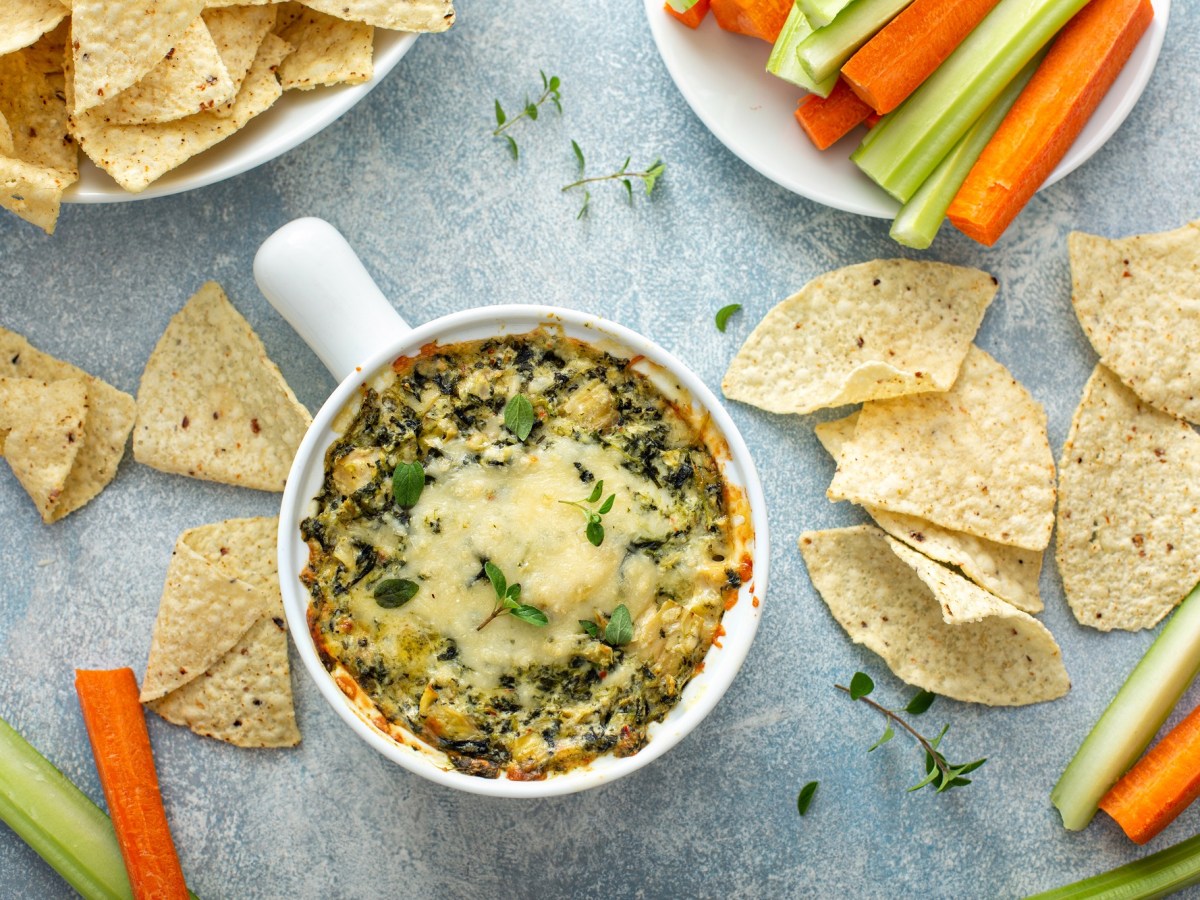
[(32, 192), (398, 15), (190, 79), (24, 21), (1138, 299), (1008, 572), (116, 42), (867, 332), (109, 419), (238, 32), (41, 432), (328, 51), (137, 155), (212, 405), (1128, 546), (975, 459), (932, 627)]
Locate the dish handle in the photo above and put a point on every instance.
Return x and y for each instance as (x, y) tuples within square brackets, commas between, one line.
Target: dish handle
[(310, 274)]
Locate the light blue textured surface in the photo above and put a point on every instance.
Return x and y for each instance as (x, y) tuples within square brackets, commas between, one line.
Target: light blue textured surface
[(445, 220)]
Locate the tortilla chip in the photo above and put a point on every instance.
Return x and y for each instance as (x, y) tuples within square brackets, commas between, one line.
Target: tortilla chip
[(933, 628), (1138, 299), (6, 137), (116, 42), (32, 192), (109, 419), (137, 155), (24, 21), (42, 425), (866, 332), (975, 459), (328, 51), (1128, 543), (398, 15), (246, 698), (190, 79), (50, 50), (1008, 572), (242, 549), (238, 32), (212, 405)]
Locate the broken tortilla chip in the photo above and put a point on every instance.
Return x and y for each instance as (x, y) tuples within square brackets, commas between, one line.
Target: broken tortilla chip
[(238, 32), (867, 332), (1138, 300), (397, 15), (1008, 572), (22, 22), (932, 627), (328, 51), (218, 659), (41, 431), (1128, 546), (212, 404), (109, 419), (974, 459)]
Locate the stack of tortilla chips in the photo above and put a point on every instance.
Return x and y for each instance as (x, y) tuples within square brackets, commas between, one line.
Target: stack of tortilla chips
[(218, 659), (62, 430), (948, 454), (1129, 489), (143, 85)]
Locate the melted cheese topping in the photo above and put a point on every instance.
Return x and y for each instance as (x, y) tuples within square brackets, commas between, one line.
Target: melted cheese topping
[(512, 696)]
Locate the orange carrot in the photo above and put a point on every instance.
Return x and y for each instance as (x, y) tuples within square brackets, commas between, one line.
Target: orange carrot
[(757, 18), (693, 17), (828, 119), (893, 64), (1079, 69), (116, 727), (1161, 786)]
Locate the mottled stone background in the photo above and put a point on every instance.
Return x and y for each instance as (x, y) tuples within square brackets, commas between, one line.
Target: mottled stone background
[(445, 220)]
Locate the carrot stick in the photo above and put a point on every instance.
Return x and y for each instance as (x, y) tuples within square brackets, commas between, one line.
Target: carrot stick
[(757, 18), (1079, 69), (694, 15), (116, 727), (893, 64), (1161, 786), (828, 119)]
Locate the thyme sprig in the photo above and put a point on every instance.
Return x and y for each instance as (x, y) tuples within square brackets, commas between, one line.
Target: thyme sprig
[(649, 178), (939, 773), (550, 92), (508, 600), (595, 525)]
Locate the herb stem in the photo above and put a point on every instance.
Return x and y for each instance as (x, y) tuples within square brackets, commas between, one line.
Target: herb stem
[(524, 114), (928, 747), (615, 176), (495, 613)]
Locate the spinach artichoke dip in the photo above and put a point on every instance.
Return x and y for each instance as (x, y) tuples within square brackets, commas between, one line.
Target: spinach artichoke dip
[(521, 552)]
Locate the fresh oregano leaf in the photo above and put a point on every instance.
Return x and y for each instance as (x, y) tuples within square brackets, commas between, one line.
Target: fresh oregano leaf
[(724, 313), (519, 416), (595, 533), (496, 577), (392, 593), (590, 627), (530, 614), (888, 734), (861, 685), (596, 492), (619, 629), (407, 483), (607, 506), (805, 797), (920, 702)]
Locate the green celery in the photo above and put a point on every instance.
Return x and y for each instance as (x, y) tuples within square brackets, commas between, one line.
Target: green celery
[(919, 219), (1133, 717), (821, 12), (1156, 875), (902, 150), (783, 62), (58, 820), (681, 6), (824, 51)]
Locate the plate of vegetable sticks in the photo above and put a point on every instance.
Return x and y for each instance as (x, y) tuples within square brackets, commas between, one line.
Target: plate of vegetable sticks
[(724, 77)]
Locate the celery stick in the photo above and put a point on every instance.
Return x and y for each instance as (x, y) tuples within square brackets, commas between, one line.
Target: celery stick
[(783, 62), (1156, 875), (919, 219), (1133, 717), (823, 52), (57, 820), (821, 12), (902, 150), (681, 6)]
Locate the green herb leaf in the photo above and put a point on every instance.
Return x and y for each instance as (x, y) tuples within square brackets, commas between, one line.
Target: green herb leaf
[(724, 313), (512, 147), (407, 483), (500, 117), (596, 492), (519, 416), (805, 797), (578, 157), (530, 614), (608, 505), (555, 84), (496, 577), (595, 533), (623, 175), (920, 702), (861, 685), (620, 627), (531, 110), (513, 594), (392, 593), (888, 734), (652, 175), (590, 627)]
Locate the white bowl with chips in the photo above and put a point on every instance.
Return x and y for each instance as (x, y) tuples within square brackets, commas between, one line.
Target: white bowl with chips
[(313, 278)]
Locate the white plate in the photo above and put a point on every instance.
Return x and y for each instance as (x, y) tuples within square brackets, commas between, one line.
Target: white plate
[(294, 118), (723, 78)]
